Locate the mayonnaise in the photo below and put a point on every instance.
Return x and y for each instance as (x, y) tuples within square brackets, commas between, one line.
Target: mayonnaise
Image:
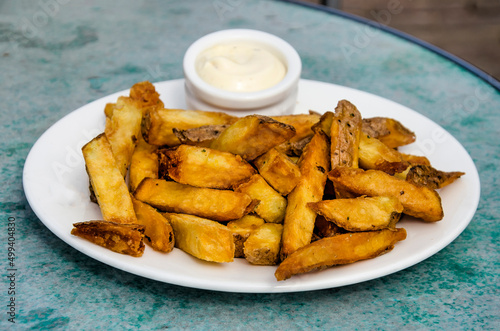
[(240, 67)]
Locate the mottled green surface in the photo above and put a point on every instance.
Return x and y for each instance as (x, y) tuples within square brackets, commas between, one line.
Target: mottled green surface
[(54, 59)]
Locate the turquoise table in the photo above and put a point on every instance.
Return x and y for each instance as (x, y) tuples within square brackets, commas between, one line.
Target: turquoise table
[(56, 56)]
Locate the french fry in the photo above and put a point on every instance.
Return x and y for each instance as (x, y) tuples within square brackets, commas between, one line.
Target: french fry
[(272, 204), (241, 229), (202, 238), (374, 154), (157, 229), (345, 134), (158, 124), (263, 245), (122, 131), (417, 201), (389, 131), (144, 93), (299, 220), (214, 204), (252, 136), (337, 250), (201, 136), (278, 170), (143, 164), (203, 167), (362, 213), (120, 238), (425, 175), (107, 182), (302, 124)]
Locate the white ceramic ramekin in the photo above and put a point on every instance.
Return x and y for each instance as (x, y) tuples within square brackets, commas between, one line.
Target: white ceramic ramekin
[(276, 100)]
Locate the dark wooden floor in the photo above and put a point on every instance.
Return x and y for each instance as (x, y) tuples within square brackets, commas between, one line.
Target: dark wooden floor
[(469, 29)]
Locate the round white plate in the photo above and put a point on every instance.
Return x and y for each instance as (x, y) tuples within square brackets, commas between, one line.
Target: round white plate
[(56, 186)]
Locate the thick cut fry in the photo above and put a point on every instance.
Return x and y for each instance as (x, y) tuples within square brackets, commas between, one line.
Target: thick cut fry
[(299, 219), (263, 246), (252, 136), (432, 178), (241, 229), (157, 229), (120, 238), (202, 136), (107, 182), (301, 122), (122, 130), (144, 93), (158, 124), (272, 205), (373, 154), (418, 201), (144, 163), (389, 131), (340, 249), (202, 238), (278, 170), (218, 205), (362, 213), (203, 167), (345, 133)]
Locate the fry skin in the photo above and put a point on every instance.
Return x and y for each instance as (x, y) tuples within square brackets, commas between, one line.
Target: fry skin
[(389, 131), (345, 133), (417, 201), (107, 182), (340, 249), (241, 229), (214, 204), (120, 238), (263, 245), (202, 238), (203, 167)]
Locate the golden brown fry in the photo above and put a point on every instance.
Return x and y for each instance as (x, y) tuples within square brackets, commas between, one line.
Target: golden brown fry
[(203, 167), (272, 205), (345, 134), (122, 130), (324, 228), (432, 178), (389, 131), (144, 93), (340, 249), (241, 229), (158, 124), (415, 159), (299, 219), (362, 213), (263, 246), (373, 154), (252, 136), (278, 170), (120, 238), (144, 163), (157, 229), (202, 136), (301, 122), (218, 205), (107, 182), (202, 238), (418, 201)]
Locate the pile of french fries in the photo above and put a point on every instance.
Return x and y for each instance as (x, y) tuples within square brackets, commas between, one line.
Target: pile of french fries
[(302, 192)]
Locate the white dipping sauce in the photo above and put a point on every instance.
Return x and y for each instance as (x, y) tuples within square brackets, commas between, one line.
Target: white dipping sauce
[(240, 67)]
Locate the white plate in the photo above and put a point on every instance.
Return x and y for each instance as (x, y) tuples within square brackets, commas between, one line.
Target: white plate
[(56, 186)]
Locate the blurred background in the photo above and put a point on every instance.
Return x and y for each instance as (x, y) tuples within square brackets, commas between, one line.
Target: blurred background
[(469, 29)]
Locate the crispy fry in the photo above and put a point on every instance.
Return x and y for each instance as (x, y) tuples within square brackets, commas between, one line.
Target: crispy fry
[(144, 163), (302, 124), (418, 201), (202, 238), (340, 249), (345, 134), (432, 178), (202, 136), (415, 159), (389, 131), (107, 182), (272, 204), (373, 154), (122, 131), (157, 229), (263, 246), (218, 205), (144, 93), (252, 136), (203, 167), (324, 228), (158, 124), (299, 219), (120, 238), (241, 229), (362, 213), (278, 170)]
